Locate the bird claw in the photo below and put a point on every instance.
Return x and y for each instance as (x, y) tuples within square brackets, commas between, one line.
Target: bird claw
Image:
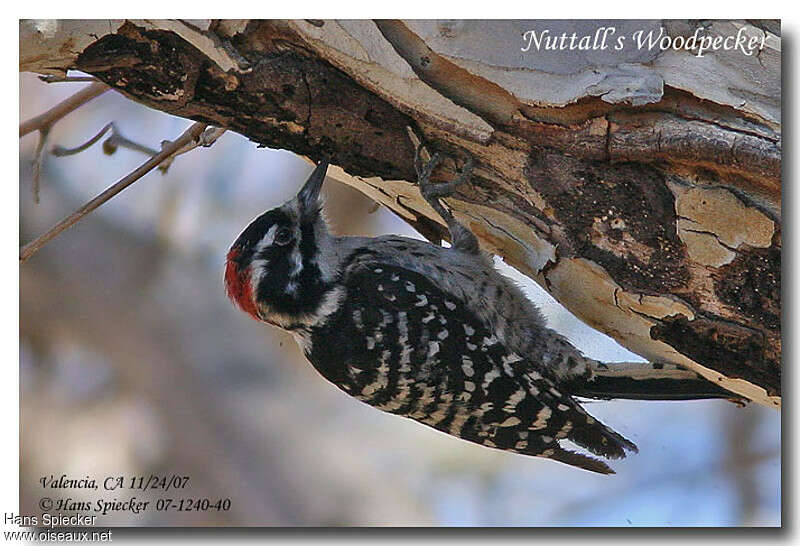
[(430, 190)]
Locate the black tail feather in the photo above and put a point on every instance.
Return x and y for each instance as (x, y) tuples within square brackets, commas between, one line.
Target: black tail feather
[(580, 460), (602, 441), (645, 381)]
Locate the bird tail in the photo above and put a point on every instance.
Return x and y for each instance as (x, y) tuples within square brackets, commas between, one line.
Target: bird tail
[(634, 381), (645, 381), (573, 423), (597, 438)]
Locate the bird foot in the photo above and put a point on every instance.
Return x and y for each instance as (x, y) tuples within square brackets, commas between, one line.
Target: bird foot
[(431, 191)]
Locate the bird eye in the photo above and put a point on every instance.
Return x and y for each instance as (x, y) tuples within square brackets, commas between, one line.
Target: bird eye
[(283, 236)]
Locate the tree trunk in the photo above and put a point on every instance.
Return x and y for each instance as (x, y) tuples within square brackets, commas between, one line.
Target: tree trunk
[(640, 187)]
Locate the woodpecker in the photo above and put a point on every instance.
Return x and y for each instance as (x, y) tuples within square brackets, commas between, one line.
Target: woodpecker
[(434, 333)]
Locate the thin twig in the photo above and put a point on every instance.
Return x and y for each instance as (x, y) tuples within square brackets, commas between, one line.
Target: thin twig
[(38, 159), (47, 119), (66, 79), (115, 140), (208, 138), (191, 134), (61, 151)]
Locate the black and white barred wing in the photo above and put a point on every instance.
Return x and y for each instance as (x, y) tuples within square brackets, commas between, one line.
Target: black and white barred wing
[(400, 344)]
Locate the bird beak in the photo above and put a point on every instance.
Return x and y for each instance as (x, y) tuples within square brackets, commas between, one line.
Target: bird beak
[(309, 194)]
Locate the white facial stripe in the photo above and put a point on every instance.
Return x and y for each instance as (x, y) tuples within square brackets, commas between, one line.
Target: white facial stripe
[(267, 239), (258, 268), (297, 263)]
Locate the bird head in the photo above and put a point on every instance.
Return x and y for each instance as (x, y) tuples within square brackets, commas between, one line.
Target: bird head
[(273, 271)]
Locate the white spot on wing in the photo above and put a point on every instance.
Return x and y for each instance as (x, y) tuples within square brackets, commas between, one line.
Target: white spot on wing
[(513, 400), (508, 361), (490, 376), (466, 365), (541, 418), (382, 378), (458, 423)]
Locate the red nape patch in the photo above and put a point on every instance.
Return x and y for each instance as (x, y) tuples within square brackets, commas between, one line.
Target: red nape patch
[(237, 285)]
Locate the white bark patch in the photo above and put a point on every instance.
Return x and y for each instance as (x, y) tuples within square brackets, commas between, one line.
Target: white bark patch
[(713, 223), (508, 236)]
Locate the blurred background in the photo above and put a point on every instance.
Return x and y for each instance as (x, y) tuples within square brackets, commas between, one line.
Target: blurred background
[(133, 362)]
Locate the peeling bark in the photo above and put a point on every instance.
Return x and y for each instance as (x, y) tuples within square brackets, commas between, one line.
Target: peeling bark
[(644, 196)]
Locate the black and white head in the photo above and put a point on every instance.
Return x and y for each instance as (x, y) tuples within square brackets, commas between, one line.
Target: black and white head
[(274, 271)]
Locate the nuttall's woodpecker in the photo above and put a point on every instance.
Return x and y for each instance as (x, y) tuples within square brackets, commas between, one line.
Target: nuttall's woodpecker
[(433, 333)]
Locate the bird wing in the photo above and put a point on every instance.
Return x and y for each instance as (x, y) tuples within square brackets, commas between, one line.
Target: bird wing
[(401, 344)]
